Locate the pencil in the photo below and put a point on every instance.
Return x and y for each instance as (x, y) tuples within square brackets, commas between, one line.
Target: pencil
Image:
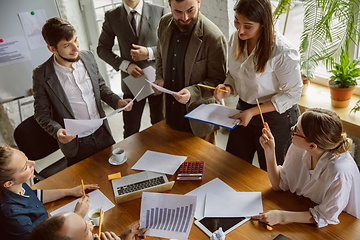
[(201, 85), (101, 213), (82, 184), (262, 118)]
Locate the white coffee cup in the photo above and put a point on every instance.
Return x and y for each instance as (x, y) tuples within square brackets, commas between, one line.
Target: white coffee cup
[(118, 155), (94, 216)]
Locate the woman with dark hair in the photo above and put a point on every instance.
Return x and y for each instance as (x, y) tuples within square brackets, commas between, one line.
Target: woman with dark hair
[(21, 207), (263, 65), (317, 166)]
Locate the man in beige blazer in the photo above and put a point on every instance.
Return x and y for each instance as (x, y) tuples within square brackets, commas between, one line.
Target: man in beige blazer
[(191, 50)]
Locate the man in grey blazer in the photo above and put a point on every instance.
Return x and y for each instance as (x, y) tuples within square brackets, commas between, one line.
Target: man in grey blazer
[(137, 51), (191, 50), (69, 85)]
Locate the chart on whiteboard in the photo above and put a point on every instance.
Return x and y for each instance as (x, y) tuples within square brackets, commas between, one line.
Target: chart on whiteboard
[(167, 215)]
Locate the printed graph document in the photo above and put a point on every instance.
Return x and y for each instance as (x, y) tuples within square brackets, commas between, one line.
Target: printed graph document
[(161, 88), (233, 204), (215, 114), (167, 215), (214, 186), (76, 126), (135, 84), (159, 162), (97, 200)]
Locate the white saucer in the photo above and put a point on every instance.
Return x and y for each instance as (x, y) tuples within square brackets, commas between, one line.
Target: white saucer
[(113, 162)]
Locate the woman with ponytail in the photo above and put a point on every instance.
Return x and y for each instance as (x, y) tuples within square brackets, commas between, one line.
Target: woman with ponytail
[(317, 166)]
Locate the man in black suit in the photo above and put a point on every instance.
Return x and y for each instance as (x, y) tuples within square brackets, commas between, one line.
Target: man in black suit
[(69, 85), (134, 24)]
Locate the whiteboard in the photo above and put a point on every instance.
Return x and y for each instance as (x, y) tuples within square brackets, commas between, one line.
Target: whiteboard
[(16, 78)]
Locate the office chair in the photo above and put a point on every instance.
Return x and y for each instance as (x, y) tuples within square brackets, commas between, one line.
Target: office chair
[(36, 143)]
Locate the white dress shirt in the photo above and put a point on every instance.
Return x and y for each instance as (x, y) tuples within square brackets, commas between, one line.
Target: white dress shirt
[(79, 91), (125, 63), (334, 184), (281, 81)]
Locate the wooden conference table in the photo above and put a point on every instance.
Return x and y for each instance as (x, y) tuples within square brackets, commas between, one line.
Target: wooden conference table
[(237, 173)]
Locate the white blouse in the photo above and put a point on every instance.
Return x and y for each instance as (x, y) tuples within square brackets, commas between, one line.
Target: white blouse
[(281, 81), (334, 184)]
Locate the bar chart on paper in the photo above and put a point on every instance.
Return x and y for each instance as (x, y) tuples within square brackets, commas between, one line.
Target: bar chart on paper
[(167, 215)]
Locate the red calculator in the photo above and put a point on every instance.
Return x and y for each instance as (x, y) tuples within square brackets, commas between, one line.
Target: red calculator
[(191, 171)]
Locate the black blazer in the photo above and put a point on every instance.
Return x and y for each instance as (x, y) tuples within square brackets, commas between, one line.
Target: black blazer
[(117, 25)]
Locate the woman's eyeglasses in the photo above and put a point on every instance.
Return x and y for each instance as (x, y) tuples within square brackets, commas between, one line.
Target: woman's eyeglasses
[(295, 134)]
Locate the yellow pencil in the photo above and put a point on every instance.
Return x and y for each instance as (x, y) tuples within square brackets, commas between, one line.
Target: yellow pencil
[(82, 184), (201, 85), (262, 118), (101, 213)]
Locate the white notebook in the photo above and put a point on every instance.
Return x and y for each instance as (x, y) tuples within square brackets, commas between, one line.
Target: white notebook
[(215, 114)]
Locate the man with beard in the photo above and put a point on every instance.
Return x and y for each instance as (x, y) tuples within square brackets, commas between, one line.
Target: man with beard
[(69, 85), (191, 50)]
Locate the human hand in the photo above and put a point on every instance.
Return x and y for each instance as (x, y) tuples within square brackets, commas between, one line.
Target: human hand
[(272, 217), (139, 53), (160, 83), (132, 232), (123, 102), (77, 191), (134, 70), (267, 140), (82, 206), (245, 117), (182, 96), (107, 236), (63, 138), (220, 94)]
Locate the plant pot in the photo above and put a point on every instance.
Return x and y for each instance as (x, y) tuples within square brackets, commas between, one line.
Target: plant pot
[(306, 83), (340, 97)]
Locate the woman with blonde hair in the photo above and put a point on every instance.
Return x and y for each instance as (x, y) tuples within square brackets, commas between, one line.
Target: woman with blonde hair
[(21, 207), (318, 166)]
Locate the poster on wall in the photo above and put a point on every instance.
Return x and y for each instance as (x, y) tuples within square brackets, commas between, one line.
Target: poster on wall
[(32, 23)]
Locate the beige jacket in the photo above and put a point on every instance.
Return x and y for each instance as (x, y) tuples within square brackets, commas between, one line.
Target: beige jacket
[(205, 62)]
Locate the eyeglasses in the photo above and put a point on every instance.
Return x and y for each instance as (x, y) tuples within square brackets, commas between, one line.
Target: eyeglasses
[(295, 134)]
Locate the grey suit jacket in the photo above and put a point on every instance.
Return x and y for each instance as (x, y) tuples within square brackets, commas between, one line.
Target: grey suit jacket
[(205, 62), (52, 105), (117, 25)]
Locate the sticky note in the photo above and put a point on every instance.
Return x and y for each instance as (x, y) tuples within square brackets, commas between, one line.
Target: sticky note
[(114, 176), (269, 228)]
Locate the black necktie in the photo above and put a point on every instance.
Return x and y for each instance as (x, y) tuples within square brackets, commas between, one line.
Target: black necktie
[(133, 21)]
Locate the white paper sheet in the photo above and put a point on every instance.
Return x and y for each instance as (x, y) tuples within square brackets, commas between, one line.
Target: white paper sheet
[(233, 204), (159, 162), (214, 186), (215, 114), (167, 215), (97, 200), (135, 84), (14, 50), (161, 88), (76, 126), (32, 25)]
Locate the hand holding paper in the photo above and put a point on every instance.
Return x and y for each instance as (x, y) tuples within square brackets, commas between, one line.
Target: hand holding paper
[(161, 89)]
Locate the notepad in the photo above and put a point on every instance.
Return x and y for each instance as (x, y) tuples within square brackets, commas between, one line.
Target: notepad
[(215, 114)]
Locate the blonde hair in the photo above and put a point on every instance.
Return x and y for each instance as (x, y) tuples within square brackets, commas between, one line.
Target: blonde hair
[(324, 128), (6, 173)]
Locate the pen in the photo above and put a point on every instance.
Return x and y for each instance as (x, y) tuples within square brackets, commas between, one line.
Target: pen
[(82, 184), (101, 213), (201, 85), (262, 118)]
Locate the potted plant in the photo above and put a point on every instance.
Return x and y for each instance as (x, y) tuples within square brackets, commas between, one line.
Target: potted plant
[(343, 81), (328, 26)]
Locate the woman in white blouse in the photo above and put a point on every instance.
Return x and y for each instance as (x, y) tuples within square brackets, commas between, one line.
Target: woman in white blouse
[(263, 65), (318, 166)]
